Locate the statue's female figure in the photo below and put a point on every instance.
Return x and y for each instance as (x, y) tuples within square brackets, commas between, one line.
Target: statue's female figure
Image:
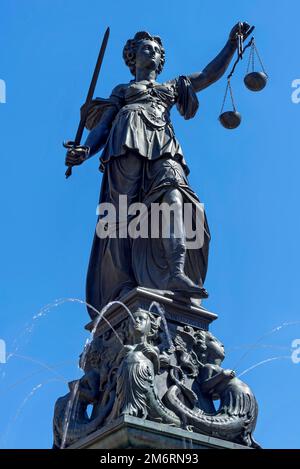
[(138, 364), (143, 160)]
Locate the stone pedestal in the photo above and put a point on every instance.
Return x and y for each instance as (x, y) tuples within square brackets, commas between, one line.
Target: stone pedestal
[(133, 433), (151, 374), (177, 310)]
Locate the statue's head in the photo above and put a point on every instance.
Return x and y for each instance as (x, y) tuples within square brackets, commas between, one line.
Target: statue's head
[(208, 347), (144, 51), (146, 324)]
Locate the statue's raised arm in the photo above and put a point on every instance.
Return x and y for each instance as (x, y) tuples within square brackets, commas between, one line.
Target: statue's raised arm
[(217, 67)]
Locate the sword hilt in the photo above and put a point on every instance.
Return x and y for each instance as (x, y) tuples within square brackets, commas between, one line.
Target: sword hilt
[(68, 173), (68, 145), (85, 151)]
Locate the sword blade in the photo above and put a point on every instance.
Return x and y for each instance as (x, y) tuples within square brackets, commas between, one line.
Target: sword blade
[(90, 93), (92, 85)]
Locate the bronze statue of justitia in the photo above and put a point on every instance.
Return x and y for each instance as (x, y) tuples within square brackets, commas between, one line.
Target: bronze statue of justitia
[(142, 159)]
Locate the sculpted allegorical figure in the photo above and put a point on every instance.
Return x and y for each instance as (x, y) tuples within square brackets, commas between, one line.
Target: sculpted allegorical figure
[(236, 398), (143, 160), (96, 388), (139, 363), (235, 419), (71, 420)]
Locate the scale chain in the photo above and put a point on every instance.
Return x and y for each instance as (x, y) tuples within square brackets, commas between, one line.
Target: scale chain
[(228, 87), (261, 63)]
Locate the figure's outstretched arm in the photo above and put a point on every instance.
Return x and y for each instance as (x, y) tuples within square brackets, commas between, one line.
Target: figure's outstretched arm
[(217, 67)]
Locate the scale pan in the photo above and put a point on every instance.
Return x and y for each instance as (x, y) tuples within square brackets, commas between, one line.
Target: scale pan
[(255, 81), (230, 119)]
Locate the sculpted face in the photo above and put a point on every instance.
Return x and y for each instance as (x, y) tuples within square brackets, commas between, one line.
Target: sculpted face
[(142, 324), (216, 348), (148, 55)]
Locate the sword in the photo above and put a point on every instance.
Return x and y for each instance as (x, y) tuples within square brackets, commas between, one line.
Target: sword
[(89, 97)]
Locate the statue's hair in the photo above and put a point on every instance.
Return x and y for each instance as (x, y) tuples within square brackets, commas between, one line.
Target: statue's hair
[(202, 338), (202, 344), (130, 48)]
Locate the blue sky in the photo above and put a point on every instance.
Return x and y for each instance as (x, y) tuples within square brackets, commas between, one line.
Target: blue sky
[(248, 180)]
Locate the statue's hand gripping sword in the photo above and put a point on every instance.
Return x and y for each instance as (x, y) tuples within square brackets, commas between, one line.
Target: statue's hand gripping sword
[(88, 100)]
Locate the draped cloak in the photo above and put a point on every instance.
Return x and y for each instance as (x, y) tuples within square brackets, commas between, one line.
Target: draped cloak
[(141, 159)]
